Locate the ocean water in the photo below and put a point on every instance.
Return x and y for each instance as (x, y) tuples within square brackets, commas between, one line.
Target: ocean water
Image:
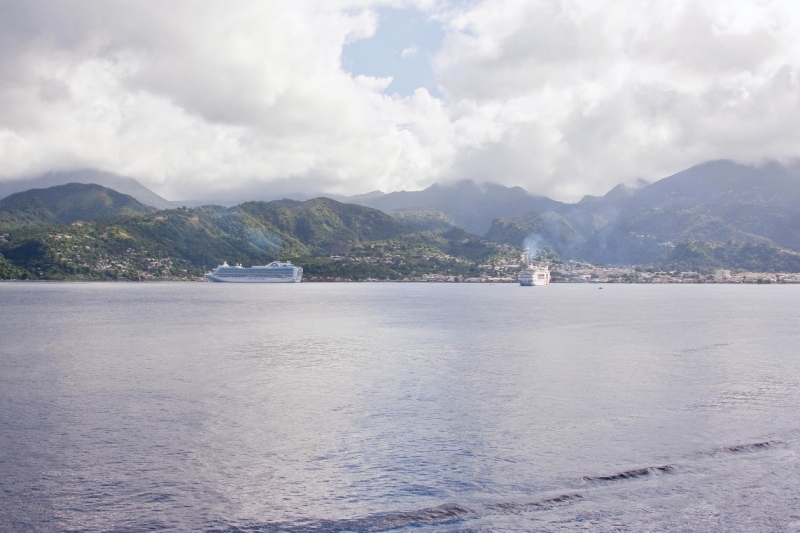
[(402, 407)]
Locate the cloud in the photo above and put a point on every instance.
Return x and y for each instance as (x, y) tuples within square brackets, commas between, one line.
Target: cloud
[(586, 94), (410, 51), (563, 97)]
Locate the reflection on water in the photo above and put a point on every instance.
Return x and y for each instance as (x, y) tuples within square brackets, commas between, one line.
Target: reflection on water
[(373, 407)]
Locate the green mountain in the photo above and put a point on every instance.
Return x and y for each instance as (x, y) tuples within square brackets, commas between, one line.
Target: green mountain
[(425, 219), (691, 255), (472, 206), (452, 253), (9, 270), (322, 223), (126, 241), (718, 214), (65, 204), (118, 183), (536, 231), (737, 214)]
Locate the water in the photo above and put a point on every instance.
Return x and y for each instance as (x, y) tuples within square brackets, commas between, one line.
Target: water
[(404, 407)]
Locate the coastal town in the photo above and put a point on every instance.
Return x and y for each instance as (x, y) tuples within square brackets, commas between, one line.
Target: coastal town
[(80, 252), (504, 271)]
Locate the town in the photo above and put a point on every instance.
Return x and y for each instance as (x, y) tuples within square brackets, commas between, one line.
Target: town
[(504, 271)]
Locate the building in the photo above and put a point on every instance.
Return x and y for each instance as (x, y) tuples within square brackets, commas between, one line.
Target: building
[(720, 275)]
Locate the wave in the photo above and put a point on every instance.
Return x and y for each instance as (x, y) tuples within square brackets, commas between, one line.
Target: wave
[(453, 512), (513, 507), (631, 474), (441, 515), (749, 447)]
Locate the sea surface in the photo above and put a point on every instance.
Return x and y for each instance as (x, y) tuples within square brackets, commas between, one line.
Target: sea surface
[(398, 407)]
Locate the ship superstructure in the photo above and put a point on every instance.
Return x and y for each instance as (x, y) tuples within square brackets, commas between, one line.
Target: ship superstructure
[(275, 272), (534, 275)]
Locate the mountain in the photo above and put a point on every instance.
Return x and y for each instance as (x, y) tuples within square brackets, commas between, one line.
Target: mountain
[(536, 231), (9, 270), (717, 206), (717, 202), (64, 204), (356, 198), (321, 223), (425, 220), (718, 214), (121, 184), (470, 205), (127, 239), (725, 182)]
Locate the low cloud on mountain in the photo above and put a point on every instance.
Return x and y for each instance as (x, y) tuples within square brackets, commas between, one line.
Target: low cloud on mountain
[(562, 97)]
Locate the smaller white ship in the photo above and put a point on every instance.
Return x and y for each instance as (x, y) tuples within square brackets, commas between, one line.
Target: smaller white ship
[(534, 276), (274, 272)]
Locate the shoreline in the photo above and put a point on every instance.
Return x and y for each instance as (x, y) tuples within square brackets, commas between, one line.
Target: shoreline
[(488, 282)]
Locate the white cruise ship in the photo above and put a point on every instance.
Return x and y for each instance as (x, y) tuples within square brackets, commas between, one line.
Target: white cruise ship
[(274, 272), (534, 276)]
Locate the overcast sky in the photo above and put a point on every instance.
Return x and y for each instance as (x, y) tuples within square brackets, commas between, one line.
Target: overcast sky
[(562, 97)]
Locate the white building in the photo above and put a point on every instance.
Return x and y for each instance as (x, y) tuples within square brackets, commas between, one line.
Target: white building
[(719, 275)]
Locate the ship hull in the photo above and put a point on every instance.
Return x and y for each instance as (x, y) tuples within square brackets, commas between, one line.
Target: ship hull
[(251, 279)]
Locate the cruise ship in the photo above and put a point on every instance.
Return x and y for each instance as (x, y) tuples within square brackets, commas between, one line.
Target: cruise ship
[(534, 276), (274, 272)]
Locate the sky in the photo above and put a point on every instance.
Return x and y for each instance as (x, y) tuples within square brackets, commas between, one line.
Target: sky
[(561, 97)]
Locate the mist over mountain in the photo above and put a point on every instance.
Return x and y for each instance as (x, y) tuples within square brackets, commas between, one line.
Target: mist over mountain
[(715, 214), (472, 206), (713, 207), (65, 204), (107, 179)]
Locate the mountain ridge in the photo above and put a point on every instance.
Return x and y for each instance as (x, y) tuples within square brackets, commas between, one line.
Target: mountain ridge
[(183, 242), (110, 180), (65, 204), (718, 203)]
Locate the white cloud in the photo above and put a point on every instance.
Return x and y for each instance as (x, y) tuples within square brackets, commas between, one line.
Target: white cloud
[(410, 51), (563, 97), (597, 92)]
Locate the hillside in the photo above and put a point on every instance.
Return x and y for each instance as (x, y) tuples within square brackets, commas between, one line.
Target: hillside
[(718, 207), (470, 205), (321, 223), (118, 183), (718, 214), (537, 231), (425, 219), (65, 204), (146, 244)]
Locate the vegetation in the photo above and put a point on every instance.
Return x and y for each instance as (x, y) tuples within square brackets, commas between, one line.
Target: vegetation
[(696, 255), (65, 204), (10, 271), (536, 231), (425, 219), (79, 231), (454, 253), (128, 242)]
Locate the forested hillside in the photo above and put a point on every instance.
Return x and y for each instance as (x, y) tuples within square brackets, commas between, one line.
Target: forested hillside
[(53, 235), (739, 216), (716, 215), (65, 204)]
